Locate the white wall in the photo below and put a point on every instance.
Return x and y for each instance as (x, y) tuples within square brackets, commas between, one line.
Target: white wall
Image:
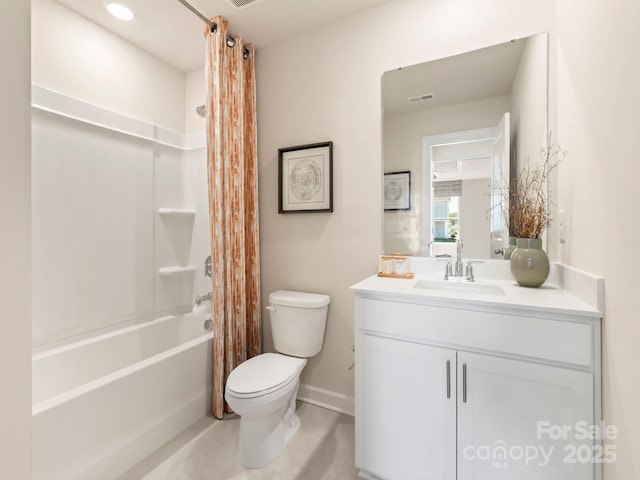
[(402, 145), (15, 327), (325, 85), (74, 56), (598, 73)]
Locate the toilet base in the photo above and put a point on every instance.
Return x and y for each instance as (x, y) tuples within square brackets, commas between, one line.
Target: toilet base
[(259, 452), (291, 428), (265, 431)]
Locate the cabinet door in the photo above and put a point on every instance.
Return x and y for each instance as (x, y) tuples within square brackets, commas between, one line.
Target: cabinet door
[(504, 410), (406, 407)]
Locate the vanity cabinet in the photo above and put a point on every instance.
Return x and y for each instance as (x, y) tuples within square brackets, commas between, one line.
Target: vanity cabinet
[(505, 400), (408, 424), (446, 393)]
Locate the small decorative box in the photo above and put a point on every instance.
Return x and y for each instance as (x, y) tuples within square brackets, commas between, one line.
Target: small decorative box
[(394, 266)]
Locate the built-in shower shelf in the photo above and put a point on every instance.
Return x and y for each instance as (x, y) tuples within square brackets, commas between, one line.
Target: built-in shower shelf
[(176, 213), (176, 271)]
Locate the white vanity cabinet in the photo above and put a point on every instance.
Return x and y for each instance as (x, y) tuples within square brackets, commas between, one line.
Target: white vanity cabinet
[(406, 426), (448, 391)]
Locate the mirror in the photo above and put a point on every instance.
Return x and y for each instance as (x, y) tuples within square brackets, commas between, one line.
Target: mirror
[(460, 126)]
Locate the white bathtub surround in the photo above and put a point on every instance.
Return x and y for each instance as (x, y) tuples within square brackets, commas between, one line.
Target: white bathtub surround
[(177, 213), (204, 309), (116, 218), (103, 404), (119, 242), (174, 272), (232, 167)]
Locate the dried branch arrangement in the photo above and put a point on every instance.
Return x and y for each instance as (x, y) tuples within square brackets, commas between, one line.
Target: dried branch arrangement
[(529, 212)]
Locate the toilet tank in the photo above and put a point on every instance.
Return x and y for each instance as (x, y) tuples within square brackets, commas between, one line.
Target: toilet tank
[(298, 320)]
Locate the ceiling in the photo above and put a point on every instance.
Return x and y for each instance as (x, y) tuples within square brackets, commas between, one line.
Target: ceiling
[(476, 75), (462, 160), (169, 31)]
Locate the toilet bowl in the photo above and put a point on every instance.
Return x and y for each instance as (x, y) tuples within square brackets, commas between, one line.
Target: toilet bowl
[(263, 393), (263, 389)]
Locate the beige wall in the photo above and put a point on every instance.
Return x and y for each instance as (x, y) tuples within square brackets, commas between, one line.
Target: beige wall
[(15, 325), (528, 107), (325, 85), (475, 222), (402, 147), (74, 56), (598, 74)]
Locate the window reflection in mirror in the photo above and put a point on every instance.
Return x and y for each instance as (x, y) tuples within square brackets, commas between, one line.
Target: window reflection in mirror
[(462, 125)]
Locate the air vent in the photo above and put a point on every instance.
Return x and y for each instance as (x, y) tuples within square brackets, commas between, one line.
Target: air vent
[(243, 3), (421, 98)]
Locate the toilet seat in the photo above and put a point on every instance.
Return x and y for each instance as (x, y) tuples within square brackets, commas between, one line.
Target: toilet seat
[(263, 374)]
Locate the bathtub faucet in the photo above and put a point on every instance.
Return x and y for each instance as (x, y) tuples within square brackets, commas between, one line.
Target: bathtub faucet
[(203, 298)]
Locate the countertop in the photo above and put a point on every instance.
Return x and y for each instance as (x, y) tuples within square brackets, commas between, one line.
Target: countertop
[(546, 299)]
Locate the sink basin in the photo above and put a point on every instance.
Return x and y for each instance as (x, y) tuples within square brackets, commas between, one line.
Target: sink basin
[(459, 286)]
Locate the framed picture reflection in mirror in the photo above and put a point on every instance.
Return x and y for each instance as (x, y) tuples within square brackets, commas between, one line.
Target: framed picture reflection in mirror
[(397, 191)]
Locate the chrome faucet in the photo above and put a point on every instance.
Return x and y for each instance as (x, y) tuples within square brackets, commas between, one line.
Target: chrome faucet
[(204, 298), (458, 270), (458, 266)]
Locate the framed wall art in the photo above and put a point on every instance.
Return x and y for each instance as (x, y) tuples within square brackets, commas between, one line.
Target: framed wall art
[(305, 178), (397, 191)]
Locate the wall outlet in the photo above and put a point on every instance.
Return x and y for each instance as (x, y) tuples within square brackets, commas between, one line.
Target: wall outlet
[(562, 227), (392, 226)]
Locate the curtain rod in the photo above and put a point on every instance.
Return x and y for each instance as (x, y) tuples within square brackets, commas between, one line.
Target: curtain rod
[(211, 24)]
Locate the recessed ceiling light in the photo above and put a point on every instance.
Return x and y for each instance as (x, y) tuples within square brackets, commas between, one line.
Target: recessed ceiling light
[(120, 11)]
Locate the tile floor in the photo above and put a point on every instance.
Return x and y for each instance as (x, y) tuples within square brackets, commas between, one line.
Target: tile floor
[(323, 449)]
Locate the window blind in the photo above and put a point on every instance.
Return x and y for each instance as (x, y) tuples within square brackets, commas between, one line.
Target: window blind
[(451, 188)]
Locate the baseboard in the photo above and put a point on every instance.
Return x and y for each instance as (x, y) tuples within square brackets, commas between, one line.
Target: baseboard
[(335, 401)]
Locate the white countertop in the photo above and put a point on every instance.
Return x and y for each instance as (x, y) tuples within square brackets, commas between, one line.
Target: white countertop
[(546, 299)]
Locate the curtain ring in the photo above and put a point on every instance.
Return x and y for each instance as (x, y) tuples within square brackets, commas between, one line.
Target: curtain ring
[(231, 42), (213, 27), (245, 53)]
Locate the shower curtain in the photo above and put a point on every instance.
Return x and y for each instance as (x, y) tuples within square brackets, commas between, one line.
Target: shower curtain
[(233, 204)]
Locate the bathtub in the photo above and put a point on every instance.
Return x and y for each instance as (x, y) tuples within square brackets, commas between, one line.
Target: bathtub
[(103, 404)]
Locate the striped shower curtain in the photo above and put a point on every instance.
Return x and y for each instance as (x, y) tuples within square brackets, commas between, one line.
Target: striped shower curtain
[(233, 204)]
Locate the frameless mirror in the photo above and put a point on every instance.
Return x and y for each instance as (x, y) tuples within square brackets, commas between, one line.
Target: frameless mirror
[(455, 131)]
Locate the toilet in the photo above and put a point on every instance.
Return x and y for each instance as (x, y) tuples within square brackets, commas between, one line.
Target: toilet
[(262, 390)]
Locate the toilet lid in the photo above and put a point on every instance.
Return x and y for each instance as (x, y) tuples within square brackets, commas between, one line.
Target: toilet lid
[(264, 372)]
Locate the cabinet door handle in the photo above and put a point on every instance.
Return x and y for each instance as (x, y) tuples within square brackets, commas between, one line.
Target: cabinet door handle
[(448, 379), (464, 383)]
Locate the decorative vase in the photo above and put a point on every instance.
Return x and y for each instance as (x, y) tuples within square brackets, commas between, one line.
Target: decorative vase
[(529, 263), (510, 248)]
